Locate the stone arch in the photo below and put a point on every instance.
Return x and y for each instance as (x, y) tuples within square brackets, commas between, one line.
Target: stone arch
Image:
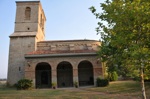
[(64, 74), (43, 75), (85, 73), (27, 13)]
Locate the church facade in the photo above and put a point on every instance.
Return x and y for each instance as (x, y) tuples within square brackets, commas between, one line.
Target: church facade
[(45, 62)]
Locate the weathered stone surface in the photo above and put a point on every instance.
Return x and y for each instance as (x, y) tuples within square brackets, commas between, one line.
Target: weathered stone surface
[(24, 39)]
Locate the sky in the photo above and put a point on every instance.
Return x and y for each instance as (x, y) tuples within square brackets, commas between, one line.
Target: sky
[(65, 20)]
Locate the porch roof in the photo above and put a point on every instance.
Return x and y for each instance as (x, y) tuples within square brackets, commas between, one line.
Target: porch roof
[(60, 53)]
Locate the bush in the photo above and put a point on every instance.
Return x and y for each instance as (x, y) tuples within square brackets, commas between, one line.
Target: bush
[(136, 78), (102, 82), (54, 85), (76, 84), (24, 84), (112, 76)]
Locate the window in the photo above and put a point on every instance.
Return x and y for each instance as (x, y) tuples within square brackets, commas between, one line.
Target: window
[(27, 13), (19, 68), (41, 20)]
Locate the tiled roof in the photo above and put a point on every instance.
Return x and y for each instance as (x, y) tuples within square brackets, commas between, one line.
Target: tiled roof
[(79, 40), (59, 52)]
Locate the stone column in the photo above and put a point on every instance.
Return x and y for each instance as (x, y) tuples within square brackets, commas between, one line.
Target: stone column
[(75, 75), (30, 72), (54, 75)]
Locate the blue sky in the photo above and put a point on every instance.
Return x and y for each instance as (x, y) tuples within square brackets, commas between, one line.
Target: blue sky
[(66, 19)]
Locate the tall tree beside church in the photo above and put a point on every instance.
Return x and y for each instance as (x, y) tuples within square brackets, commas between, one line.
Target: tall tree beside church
[(124, 27)]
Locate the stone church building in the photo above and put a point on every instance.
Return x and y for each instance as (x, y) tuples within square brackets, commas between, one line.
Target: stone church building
[(45, 62)]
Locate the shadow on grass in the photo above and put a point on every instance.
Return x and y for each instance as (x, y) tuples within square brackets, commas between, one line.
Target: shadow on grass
[(117, 90), (121, 87)]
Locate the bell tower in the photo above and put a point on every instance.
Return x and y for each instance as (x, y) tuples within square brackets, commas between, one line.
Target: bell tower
[(29, 29), (30, 19)]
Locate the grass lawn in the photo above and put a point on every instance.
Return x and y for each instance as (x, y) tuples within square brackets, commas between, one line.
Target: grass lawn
[(116, 90)]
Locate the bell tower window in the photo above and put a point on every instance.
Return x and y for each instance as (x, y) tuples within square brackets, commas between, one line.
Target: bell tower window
[(27, 13), (41, 20)]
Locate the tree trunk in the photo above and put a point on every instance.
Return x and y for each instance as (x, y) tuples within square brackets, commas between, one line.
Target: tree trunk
[(142, 83)]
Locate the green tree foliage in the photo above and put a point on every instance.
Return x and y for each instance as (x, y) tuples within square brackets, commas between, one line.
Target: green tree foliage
[(112, 76), (125, 33)]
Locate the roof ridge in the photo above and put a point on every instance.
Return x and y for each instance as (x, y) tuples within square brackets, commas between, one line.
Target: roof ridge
[(68, 40)]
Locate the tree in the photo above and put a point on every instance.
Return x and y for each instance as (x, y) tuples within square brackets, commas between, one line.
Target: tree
[(124, 27)]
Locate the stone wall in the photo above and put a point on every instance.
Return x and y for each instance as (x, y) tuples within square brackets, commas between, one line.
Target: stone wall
[(31, 64), (25, 37), (18, 47), (68, 45)]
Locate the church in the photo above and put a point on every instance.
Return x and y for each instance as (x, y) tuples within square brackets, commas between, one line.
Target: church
[(49, 61)]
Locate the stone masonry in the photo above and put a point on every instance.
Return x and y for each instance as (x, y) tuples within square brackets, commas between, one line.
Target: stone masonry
[(45, 62)]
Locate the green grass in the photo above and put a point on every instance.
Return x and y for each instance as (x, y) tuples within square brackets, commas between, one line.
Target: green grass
[(116, 90)]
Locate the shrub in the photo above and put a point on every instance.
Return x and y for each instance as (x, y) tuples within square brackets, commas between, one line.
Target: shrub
[(112, 76), (76, 84), (102, 82), (136, 78), (24, 84), (54, 85)]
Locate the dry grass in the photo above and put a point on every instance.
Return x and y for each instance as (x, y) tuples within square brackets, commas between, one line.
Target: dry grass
[(116, 90)]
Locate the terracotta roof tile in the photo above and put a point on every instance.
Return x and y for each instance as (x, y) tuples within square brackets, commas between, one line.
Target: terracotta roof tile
[(59, 52), (77, 40)]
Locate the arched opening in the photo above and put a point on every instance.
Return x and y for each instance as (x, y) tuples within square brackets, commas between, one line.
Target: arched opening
[(43, 75), (64, 75), (41, 21), (85, 73), (27, 13)]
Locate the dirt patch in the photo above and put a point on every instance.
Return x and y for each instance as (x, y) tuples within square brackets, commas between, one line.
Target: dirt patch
[(2, 83)]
